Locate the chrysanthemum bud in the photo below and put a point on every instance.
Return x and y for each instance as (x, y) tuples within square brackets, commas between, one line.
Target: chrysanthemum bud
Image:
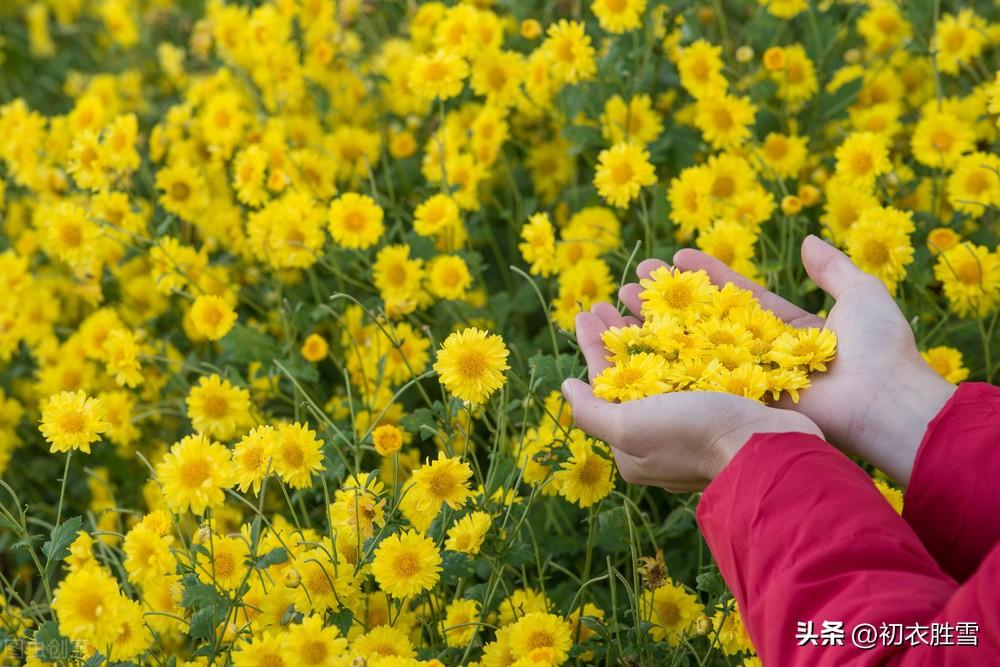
[(744, 54), (791, 205), (809, 194), (774, 59), (530, 29)]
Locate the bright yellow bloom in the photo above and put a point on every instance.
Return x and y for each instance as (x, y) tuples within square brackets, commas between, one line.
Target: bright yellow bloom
[(538, 244), (438, 75), (946, 362), (471, 364), (618, 16), (72, 420), (623, 170), (387, 439), (700, 66), (448, 277), (297, 454), (588, 475), (406, 564), (725, 120), (355, 221), (194, 474), (970, 275), (639, 376), (537, 630), (443, 480), (568, 50), (89, 606), (252, 458), (314, 348), (223, 563), (212, 316), (879, 243), (672, 611), (861, 158), (217, 408), (467, 534)]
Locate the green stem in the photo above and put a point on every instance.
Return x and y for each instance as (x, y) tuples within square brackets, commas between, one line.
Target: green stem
[(62, 489)]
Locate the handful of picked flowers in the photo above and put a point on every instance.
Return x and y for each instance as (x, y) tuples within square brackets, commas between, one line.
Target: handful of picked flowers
[(696, 336)]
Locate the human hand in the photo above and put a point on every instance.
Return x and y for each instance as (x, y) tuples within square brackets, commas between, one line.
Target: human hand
[(678, 441), (878, 396)]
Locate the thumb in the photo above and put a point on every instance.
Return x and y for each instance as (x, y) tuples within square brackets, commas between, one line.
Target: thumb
[(597, 417), (829, 268)]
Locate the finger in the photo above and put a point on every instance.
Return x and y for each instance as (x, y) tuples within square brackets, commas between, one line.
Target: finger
[(589, 328), (629, 470), (689, 259), (598, 418), (629, 294), (632, 321), (829, 268), (647, 266), (608, 314)]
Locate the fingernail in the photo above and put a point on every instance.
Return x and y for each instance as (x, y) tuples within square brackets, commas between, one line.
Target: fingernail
[(567, 390)]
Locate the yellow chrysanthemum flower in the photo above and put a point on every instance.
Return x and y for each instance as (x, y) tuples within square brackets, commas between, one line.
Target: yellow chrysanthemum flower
[(471, 364), (194, 474), (72, 420), (946, 362), (622, 171), (406, 564), (355, 221), (217, 408), (212, 316), (672, 611)]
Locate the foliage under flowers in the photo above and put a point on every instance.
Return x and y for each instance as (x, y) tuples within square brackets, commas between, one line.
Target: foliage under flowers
[(288, 291)]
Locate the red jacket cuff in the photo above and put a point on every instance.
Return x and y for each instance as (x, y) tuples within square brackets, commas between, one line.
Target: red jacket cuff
[(953, 497)]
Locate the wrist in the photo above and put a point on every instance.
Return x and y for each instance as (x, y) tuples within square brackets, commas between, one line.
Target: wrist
[(777, 421), (905, 406)]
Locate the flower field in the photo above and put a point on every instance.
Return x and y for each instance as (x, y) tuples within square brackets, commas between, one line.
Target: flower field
[(289, 288)]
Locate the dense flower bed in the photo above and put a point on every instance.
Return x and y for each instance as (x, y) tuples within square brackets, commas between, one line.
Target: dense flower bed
[(289, 287)]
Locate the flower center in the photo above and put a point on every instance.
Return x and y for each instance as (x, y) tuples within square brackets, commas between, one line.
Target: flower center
[(876, 253)]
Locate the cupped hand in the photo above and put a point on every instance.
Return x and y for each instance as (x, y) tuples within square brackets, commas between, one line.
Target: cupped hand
[(878, 396), (678, 441)]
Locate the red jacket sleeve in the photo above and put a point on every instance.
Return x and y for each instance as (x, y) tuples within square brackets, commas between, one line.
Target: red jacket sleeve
[(953, 499), (801, 535)]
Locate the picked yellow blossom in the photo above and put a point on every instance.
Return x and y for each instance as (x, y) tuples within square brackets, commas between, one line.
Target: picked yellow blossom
[(698, 337)]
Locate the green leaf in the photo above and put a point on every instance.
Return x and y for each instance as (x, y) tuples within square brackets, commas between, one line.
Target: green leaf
[(52, 646), (712, 583), (198, 595), (203, 622), (550, 370), (245, 344), (272, 557), (835, 103), (612, 533), (678, 522), (520, 553), (342, 620), (57, 546), (422, 422), (455, 566)]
